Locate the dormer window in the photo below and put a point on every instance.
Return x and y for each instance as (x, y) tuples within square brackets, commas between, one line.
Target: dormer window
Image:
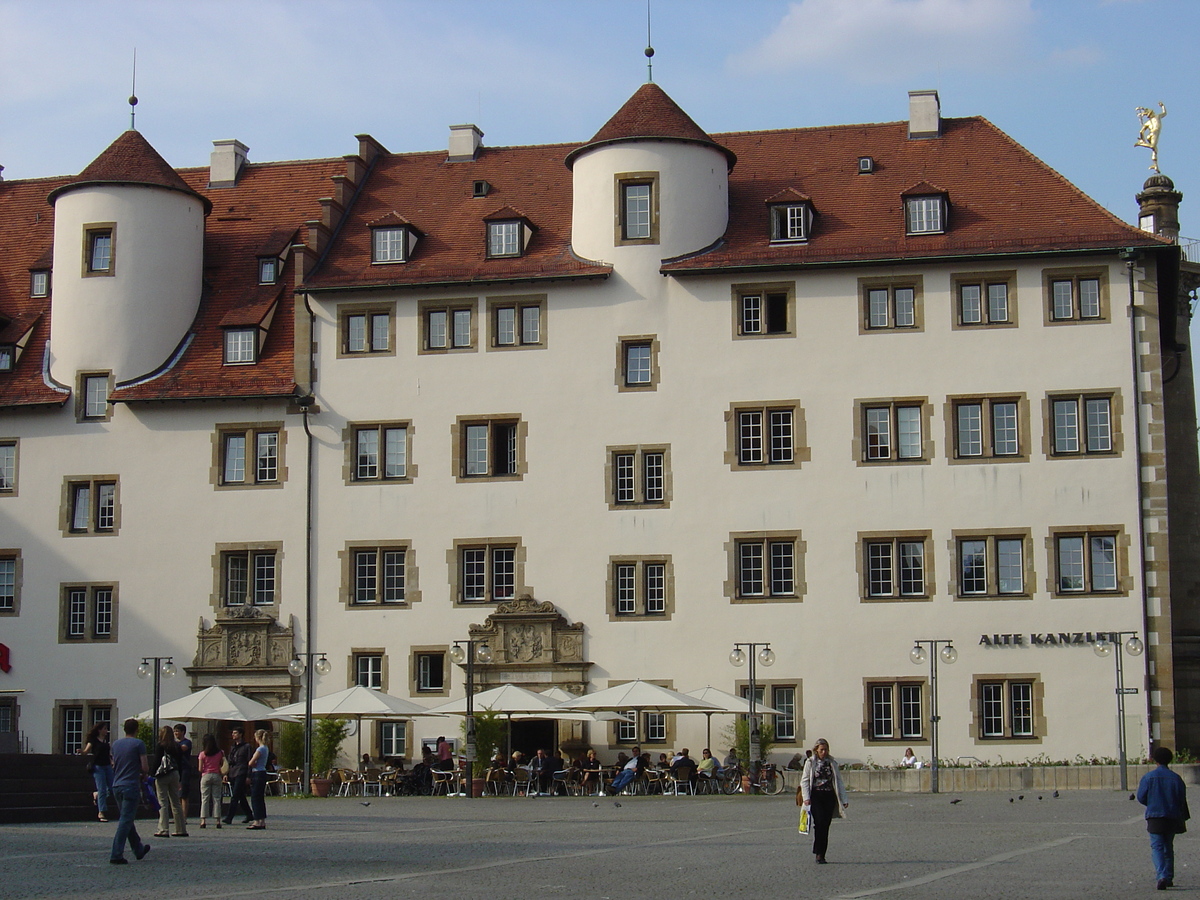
[(504, 238), (925, 215), (389, 245), (39, 283), (268, 270), (790, 222), (8, 356), (241, 346), (508, 233)]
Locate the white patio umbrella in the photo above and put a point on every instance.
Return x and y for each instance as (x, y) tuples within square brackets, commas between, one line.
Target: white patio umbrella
[(729, 703), (558, 695), (514, 703), (359, 703), (639, 695), (216, 703)]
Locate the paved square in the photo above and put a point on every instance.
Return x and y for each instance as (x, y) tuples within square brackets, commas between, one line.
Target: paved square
[(1085, 844)]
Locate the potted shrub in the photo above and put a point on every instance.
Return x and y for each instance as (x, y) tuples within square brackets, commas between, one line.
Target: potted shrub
[(327, 740), (489, 732)]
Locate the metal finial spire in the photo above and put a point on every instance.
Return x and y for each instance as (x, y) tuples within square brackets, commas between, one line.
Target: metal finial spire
[(649, 49), (133, 94)]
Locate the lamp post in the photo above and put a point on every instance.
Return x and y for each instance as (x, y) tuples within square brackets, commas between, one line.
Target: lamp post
[(160, 667), (475, 650), (948, 655), (302, 664), (738, 657), (1134, 647)]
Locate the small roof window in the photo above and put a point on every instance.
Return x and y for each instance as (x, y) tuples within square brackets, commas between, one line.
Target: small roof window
[(925, 209), (508, 233), (393, 239)]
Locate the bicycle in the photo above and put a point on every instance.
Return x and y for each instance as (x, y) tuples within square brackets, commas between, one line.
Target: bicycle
[(770, 780)]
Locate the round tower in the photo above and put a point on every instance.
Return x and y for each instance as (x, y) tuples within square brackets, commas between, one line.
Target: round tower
[(1158, 207), (650, 184), (128, 260)]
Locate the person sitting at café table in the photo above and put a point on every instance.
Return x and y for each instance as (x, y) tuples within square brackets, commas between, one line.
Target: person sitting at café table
[(684, 766), (663, 762), (628, 772), (708, 764), (544, 771), (731, 759), (516, 761), (591, 771)]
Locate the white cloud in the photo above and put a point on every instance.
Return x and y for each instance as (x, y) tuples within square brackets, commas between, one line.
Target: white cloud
[(874, 40)]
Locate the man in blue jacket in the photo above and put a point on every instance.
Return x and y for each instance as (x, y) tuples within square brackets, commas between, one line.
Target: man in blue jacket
[(1163, 794)]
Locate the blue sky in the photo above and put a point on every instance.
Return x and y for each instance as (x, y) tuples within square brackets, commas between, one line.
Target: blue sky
[(299, 79)]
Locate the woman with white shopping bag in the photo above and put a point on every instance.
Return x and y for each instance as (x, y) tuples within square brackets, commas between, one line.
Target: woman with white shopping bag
[(822, 794)]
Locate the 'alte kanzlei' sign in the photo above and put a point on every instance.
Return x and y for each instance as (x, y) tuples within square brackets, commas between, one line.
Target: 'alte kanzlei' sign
[(1047, 639)]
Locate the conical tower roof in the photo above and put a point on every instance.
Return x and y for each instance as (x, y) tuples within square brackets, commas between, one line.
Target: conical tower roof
[(130, 160), (650, 115)]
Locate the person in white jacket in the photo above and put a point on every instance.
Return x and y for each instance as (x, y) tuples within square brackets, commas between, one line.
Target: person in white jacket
[(822, 791)]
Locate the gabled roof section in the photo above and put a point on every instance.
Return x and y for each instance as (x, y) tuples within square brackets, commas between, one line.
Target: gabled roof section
[(26, 230), (505, 214), (278, 241), (1006, 200), (650, 115), (924, 189), (255, 307), (130, 160), (789, 195), (392, 219), (438, 195)]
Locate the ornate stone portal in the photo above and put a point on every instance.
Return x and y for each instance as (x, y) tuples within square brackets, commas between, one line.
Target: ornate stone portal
[(533, 646), (246, 650)]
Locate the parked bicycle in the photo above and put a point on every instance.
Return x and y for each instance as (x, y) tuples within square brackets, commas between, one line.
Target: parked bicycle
[(770, 780)]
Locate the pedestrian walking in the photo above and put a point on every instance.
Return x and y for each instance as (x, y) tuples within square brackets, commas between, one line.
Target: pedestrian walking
[(100, 766), (822, 791), (239, 759), (130, 766), (1164, 795), (166, 785)]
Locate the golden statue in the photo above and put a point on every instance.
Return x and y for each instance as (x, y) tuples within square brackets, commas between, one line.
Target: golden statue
[(1151, 126)]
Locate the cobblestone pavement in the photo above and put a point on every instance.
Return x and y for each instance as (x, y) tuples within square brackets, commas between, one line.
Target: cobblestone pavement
[(1084, 844)]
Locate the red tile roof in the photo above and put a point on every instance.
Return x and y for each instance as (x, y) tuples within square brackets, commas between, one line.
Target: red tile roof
[(26, 236), (130, 160), (269, 198), (261, 214), (435, 197), (1002, 199), (649, 115)]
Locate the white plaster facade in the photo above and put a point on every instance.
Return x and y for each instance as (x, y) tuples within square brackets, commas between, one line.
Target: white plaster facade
[(175, 517)]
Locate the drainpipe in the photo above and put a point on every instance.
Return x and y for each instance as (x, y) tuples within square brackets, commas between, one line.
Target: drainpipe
[(1130, 256), (306, 403)]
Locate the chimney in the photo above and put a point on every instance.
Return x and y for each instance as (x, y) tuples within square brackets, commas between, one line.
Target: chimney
[(1158, 207), (465, 141), (225, 164), (924, 115)]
